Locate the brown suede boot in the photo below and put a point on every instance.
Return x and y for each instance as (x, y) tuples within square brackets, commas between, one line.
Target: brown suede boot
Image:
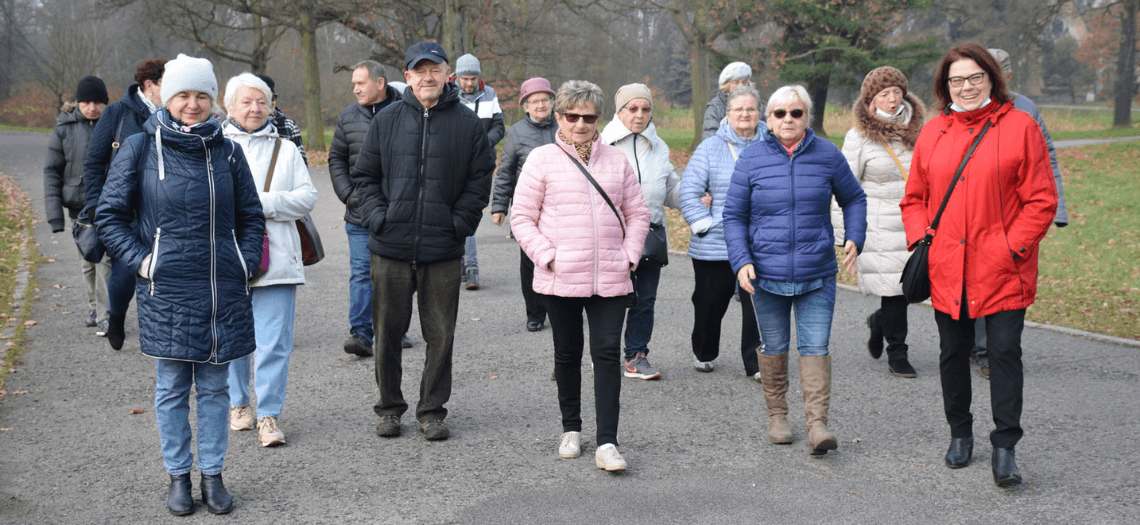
[(815, 380), (774, 381)]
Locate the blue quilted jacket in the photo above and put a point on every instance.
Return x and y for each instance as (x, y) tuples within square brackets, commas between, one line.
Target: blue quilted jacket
[(777, 216), (201, 222)]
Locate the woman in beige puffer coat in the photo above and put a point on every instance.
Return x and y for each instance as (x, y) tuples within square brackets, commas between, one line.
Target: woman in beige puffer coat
[(887, 120)]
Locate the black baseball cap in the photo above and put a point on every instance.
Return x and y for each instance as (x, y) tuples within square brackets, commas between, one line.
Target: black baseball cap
[(424, 51)]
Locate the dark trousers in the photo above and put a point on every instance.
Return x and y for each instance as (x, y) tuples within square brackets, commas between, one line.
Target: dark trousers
[(436, 286), (535, 309), (120, 288), (605, 316), (1003, 330), (639, 318), (715, 284), (892, 321)]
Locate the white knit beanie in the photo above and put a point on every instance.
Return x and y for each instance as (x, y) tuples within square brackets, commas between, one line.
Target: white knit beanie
[(735, 71), (467, 65), (188, 74)]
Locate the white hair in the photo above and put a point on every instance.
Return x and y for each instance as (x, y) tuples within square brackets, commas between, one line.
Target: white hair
[(785, 96), (246, 79)]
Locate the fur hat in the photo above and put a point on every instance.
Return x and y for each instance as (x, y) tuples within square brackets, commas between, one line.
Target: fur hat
[(467, 65), (534, 85), (735, 71), (629, 92), (91, 89), (879, 79), (187, 73)]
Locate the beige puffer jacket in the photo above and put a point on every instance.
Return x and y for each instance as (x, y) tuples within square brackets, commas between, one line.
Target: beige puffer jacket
[(881, 262)]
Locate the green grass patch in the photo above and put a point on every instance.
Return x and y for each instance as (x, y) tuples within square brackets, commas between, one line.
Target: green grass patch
[(16, 237), (1094, 133), (6, 127)]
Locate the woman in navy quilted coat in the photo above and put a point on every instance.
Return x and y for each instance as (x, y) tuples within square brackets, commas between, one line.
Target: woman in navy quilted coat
[(197, 246)]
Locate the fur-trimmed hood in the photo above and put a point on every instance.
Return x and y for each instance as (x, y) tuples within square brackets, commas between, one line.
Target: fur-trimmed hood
[(882, 131)]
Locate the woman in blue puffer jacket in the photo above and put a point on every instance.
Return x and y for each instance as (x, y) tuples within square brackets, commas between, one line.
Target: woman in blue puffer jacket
[(709, 171), (777, 225), (198, 244)]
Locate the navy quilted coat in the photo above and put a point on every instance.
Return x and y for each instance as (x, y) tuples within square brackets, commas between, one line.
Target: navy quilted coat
[(200, 220), (778, 212)]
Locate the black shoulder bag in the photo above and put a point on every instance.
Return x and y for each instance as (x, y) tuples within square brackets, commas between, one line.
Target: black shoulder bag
[(655, 254), (916, 274), (83, 227)]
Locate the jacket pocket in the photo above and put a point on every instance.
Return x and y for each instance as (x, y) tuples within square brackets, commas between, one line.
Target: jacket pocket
[(154, 255), (241, 259), (74, 194)]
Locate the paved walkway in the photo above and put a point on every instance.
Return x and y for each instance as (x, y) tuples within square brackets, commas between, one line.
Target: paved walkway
[(72, 451)]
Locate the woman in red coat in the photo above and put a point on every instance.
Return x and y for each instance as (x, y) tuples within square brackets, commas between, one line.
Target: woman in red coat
[(983, 260)]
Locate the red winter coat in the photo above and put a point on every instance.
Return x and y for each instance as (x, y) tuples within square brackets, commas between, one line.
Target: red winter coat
[(999, 211)]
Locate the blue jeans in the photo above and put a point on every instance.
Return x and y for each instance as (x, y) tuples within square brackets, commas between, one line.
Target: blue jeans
[(814, 311), (172, 410), (359, 282), (470, 255), (120, 288), (639, 319), (273, 314)]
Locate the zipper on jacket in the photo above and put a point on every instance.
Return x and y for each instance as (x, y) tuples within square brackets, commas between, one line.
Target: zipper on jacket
[(154, 258), (213, 257), (594, 215), (244, 268), (420, 195)]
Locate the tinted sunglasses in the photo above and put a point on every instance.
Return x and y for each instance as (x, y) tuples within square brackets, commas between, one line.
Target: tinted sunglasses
[(573, 117), (779, 113)]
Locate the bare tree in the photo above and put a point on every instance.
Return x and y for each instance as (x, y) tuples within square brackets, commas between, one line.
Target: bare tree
[(67, 45), (1125, 66)]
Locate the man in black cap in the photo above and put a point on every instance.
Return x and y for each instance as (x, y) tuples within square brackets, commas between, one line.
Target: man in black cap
[(287, 128), (63, 183), (422, 179)]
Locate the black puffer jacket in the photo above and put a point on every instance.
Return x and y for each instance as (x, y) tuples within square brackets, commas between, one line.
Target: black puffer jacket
[(63, 170), (351, 126), (521, 139), (423, 178)]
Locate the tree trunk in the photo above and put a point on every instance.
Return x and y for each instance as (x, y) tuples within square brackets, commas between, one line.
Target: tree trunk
[(699, 79), (259, 58), (817, 90), (314, 123), (1125, 67)]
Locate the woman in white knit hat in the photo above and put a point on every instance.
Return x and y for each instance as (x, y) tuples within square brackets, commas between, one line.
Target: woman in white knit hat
[(197, 245)]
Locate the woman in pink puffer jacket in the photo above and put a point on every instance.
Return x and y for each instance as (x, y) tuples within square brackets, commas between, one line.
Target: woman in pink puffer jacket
[(582, 254)]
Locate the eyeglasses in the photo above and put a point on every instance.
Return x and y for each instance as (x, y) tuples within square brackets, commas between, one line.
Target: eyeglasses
[(975, 79), (745, 110), (779, 113), (573, 117), (540, 101), (635, 109)]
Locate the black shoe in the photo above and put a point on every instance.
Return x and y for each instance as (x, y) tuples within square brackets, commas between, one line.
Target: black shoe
[(472, 279), (435, 430), (178, 498), (1005, 468), (533, 326), (901, 368), (358, 345), (215, 496), (92, 319), (961, 449), (875, 343), (115, 331), (406, 342), (388, 426)]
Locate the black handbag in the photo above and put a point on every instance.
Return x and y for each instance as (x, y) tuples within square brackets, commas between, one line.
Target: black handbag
[(86, 238), (656, 251), (916, 274)]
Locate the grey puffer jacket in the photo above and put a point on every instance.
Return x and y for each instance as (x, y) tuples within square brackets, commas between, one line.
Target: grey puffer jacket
[(715, 111), (351, 126), (521, 139), (63, 170)]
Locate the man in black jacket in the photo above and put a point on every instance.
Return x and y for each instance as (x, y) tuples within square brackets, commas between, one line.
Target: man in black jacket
[(422, 180), (372, 94)]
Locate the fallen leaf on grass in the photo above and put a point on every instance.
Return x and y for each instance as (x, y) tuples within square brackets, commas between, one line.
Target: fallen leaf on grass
[(59, 287), (19, 392), (61, 305), (29, 323), (138, 411)]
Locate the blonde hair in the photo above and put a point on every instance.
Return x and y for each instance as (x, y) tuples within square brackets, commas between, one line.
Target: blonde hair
[(787, 95)]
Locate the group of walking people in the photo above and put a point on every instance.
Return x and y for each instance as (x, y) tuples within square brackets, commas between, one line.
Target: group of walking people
[(200, 207)]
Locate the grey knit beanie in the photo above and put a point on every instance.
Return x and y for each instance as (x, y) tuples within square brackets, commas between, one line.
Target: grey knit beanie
[(467, 65), (187, 73), (735, 71)]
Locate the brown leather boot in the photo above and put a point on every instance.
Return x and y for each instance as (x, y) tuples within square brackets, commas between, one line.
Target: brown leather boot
[(774, 381), (815, 380)]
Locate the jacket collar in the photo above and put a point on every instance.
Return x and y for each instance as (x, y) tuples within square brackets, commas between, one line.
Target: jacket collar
[(615, 131), (773, 142), (449, 97), (728, 134)]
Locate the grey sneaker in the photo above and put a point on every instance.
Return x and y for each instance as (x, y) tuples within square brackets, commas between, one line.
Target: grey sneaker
[(92, 319), (102, 330), (406, 342), (640, 368), (435, 430), (388, 426), (702, 366), (472, 279)]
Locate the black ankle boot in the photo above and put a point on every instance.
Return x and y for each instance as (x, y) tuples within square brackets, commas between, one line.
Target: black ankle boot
[(1005, 468), (178, 498), (214, 495), (875, 343), (897, 362), (115, 331), (961, 449)]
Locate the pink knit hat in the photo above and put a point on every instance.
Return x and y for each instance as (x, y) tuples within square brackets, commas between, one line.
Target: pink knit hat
[(534, 85)]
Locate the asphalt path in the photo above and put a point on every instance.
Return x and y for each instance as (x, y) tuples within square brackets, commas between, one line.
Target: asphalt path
[(72, 451)]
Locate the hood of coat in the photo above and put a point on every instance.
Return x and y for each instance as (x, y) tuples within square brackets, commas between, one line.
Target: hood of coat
[(615, 131), (771, 141), (450, 96), (728, 134), (883, 131), (70, 113), (231, 129), (992, 112)]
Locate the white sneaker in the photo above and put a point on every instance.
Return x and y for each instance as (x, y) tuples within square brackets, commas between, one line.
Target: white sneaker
[(241, 418), (607, 457), (756, 376), (570, 445), (702, 366), (268, 433)]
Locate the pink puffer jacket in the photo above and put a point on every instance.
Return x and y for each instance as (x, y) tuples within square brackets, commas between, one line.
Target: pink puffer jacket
[(569, 231)]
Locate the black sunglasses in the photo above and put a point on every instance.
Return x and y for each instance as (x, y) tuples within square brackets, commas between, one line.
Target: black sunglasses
[(779, 113), (573, 117)]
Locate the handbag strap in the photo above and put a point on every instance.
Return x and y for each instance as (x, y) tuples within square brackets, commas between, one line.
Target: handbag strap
[(272, 163), (958, 174), (897, 163), (600, 190), (732, 149)]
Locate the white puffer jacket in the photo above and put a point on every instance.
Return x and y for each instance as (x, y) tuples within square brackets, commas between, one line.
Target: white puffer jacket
[(291, 195), (660, 182)]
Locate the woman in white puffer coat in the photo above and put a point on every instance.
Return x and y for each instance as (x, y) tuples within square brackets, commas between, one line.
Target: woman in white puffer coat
[(291, 195), (878, 149)]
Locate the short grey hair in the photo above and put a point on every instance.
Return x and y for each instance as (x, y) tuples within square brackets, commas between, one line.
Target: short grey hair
[(786, 96), (375, 69), (577, 93), (743, 91), (246, 79)]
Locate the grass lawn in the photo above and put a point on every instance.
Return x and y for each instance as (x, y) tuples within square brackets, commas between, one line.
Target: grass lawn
[(16, 235)]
